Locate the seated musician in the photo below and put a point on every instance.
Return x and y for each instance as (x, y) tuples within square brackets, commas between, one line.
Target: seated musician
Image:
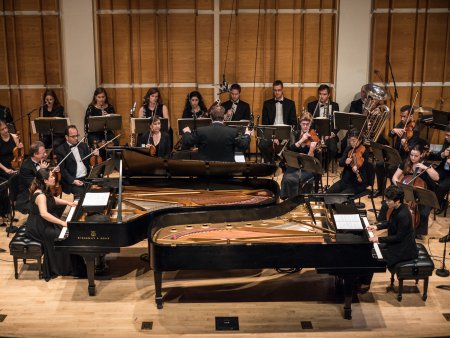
[(235, 108), (443, 170), (51, 107), (74, 170), (44, 226), (355, 162), (405, 137), (216, 142), (424, 175), (325, 108), (156, 140), (306, 143), (194, 106), (276, 111)]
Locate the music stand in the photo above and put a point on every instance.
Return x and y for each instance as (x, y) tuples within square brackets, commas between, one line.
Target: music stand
[(303, 162), (104, 123), (50, 126), (346, 121), (237, 124), (272, 132), (193, 124), (440, 118), (140, 125), (419, 195)]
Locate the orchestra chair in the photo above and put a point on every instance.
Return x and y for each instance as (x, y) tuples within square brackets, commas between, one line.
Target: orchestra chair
[(22, 247), (13, 184), (368, 191), (421, 267)]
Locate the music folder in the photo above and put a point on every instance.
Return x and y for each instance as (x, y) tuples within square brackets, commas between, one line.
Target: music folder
[(49, 125)]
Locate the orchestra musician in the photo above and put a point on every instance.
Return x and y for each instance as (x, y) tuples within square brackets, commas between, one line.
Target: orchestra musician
[(156, 139), (403, 143), (7, 144), (279, 110), (323, 107), (416, 166), (153, 105), (99, 106), (235, 108), (355, 162), (73, 169), (194, 106), (51, 107), (443, 170), (44, 225), (216, 142), (307, 142), (5, 115)]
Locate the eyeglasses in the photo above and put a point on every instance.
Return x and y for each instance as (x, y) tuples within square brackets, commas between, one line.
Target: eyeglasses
[(74, 135)]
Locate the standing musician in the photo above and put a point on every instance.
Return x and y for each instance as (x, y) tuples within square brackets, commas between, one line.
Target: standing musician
[(415, 169), (276, 111), (216, 142), (235, 108), (73, 170), (9, 145), (307, 143), (405, 136), (157, 141), (325, 108), (355, 162), (51, 107), (194, 107), (99, 106), (443, 170)]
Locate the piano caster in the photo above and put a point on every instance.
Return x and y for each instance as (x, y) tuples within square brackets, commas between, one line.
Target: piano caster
[(347, 313), (91, 290), (159, 303)]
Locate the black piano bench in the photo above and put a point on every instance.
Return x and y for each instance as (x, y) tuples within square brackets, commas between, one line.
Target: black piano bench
[(22, 247), (420, 268)]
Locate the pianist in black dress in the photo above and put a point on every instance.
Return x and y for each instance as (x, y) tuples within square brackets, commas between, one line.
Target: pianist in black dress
[(194, 106), (51, 107), (45, 227), (156, 139)]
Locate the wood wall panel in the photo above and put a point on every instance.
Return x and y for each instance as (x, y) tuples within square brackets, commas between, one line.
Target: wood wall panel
[(435, 47)]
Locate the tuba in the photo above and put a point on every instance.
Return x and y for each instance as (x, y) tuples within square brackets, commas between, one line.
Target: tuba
[(377, 112)]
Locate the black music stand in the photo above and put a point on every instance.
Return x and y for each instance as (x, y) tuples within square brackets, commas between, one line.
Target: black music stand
[(272, 132), (140, 125), (193, 124), (420, 195), (304, 162), (440, 118), (50, 126), (386, 155), (237, 124), (347, 121), (104, 123)]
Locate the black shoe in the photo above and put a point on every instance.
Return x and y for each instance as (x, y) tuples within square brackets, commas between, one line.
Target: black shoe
[(444, 239)]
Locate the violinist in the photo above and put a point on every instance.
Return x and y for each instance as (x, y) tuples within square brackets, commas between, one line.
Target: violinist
[(406, 132), (415, 169), (443, 170), (194, 107), (307, 143), (8, 144), (156, 140), (355, 162), (73, 170), (51, 107)]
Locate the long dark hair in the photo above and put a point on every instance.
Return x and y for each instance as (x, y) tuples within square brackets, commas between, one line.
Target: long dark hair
[(39, 183), (408, 164), (150, 92), (51, 92), (201, 104), (97, 91)]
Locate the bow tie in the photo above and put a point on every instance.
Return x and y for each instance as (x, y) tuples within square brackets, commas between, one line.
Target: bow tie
[(279, 101), (72, 146), (235, 102)]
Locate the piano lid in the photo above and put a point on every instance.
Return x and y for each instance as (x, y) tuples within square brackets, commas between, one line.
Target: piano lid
[(138, 162)]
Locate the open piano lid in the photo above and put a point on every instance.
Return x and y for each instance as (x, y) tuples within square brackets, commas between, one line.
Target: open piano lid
[(138, 162)]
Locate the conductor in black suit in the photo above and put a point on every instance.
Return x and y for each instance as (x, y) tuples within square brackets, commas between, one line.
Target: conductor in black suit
[(216, 142), (276, 111), (325, 108), (74, 170), (235, 108)]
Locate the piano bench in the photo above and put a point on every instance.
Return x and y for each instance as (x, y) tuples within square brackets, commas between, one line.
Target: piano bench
[(22, 247), (419, 268)]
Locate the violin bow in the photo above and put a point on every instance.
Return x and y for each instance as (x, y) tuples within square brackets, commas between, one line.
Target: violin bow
[(70, 152), (100, 147)]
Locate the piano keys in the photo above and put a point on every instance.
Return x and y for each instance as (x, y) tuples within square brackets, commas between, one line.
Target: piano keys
[(274, 236)]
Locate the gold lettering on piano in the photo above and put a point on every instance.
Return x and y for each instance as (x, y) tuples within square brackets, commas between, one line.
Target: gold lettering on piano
[(93, 233), (101, 238)]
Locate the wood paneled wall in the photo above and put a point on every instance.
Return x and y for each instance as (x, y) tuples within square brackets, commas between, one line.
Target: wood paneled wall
[(415, 36), (30, 56), (170, 44)]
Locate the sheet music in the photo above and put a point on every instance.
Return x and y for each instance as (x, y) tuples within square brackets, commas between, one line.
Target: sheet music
[(348, 222), (96, 199), (375, 245)]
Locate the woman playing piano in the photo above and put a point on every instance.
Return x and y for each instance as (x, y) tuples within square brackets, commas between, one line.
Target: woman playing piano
[(156, 140), (45, 227), (194, 106)]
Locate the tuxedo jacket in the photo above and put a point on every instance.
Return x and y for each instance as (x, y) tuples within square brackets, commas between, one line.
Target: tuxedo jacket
[(216, 142), (312, 106), (27, 173), (242, 110), (269, 112), (163, 149), (69, 166)]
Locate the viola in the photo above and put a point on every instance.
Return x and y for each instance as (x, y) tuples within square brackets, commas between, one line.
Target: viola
[(18, 155), (357, 156), (95, 160), (56, 190), (313, 137)]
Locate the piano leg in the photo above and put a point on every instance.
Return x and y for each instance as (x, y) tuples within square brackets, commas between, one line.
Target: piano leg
[(158, 288), (349, 283), (90, 267)]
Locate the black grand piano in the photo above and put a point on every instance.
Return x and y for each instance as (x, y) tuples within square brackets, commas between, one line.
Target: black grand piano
[(117, 212), (292, 234)]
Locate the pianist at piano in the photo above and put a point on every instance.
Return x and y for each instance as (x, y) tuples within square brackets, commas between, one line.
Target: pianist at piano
[(45, 227)]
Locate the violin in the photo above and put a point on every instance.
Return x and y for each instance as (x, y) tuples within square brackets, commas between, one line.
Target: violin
[(18, 155), (408, 132), (152, 150), (95, 160), (357, 159), (56, 190), (313, 137)]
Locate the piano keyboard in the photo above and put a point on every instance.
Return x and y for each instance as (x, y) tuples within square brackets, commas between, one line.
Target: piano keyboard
[(375, 245), (64, 232)]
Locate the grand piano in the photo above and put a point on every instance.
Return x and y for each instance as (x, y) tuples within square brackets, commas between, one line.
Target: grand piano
[(117, 212), (297, 233)]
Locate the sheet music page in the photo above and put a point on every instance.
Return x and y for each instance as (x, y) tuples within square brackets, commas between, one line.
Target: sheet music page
[(348, 222), (96, 199)]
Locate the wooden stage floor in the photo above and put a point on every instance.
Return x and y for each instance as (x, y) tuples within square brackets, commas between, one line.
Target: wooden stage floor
[(268, 304)]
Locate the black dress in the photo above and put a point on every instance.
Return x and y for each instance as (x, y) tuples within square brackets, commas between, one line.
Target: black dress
[(6, 156), (59, 137), (147, 112), (56, 263)]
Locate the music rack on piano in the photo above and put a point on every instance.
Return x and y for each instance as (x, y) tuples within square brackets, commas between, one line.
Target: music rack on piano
[(296, 233), (116, 212)]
